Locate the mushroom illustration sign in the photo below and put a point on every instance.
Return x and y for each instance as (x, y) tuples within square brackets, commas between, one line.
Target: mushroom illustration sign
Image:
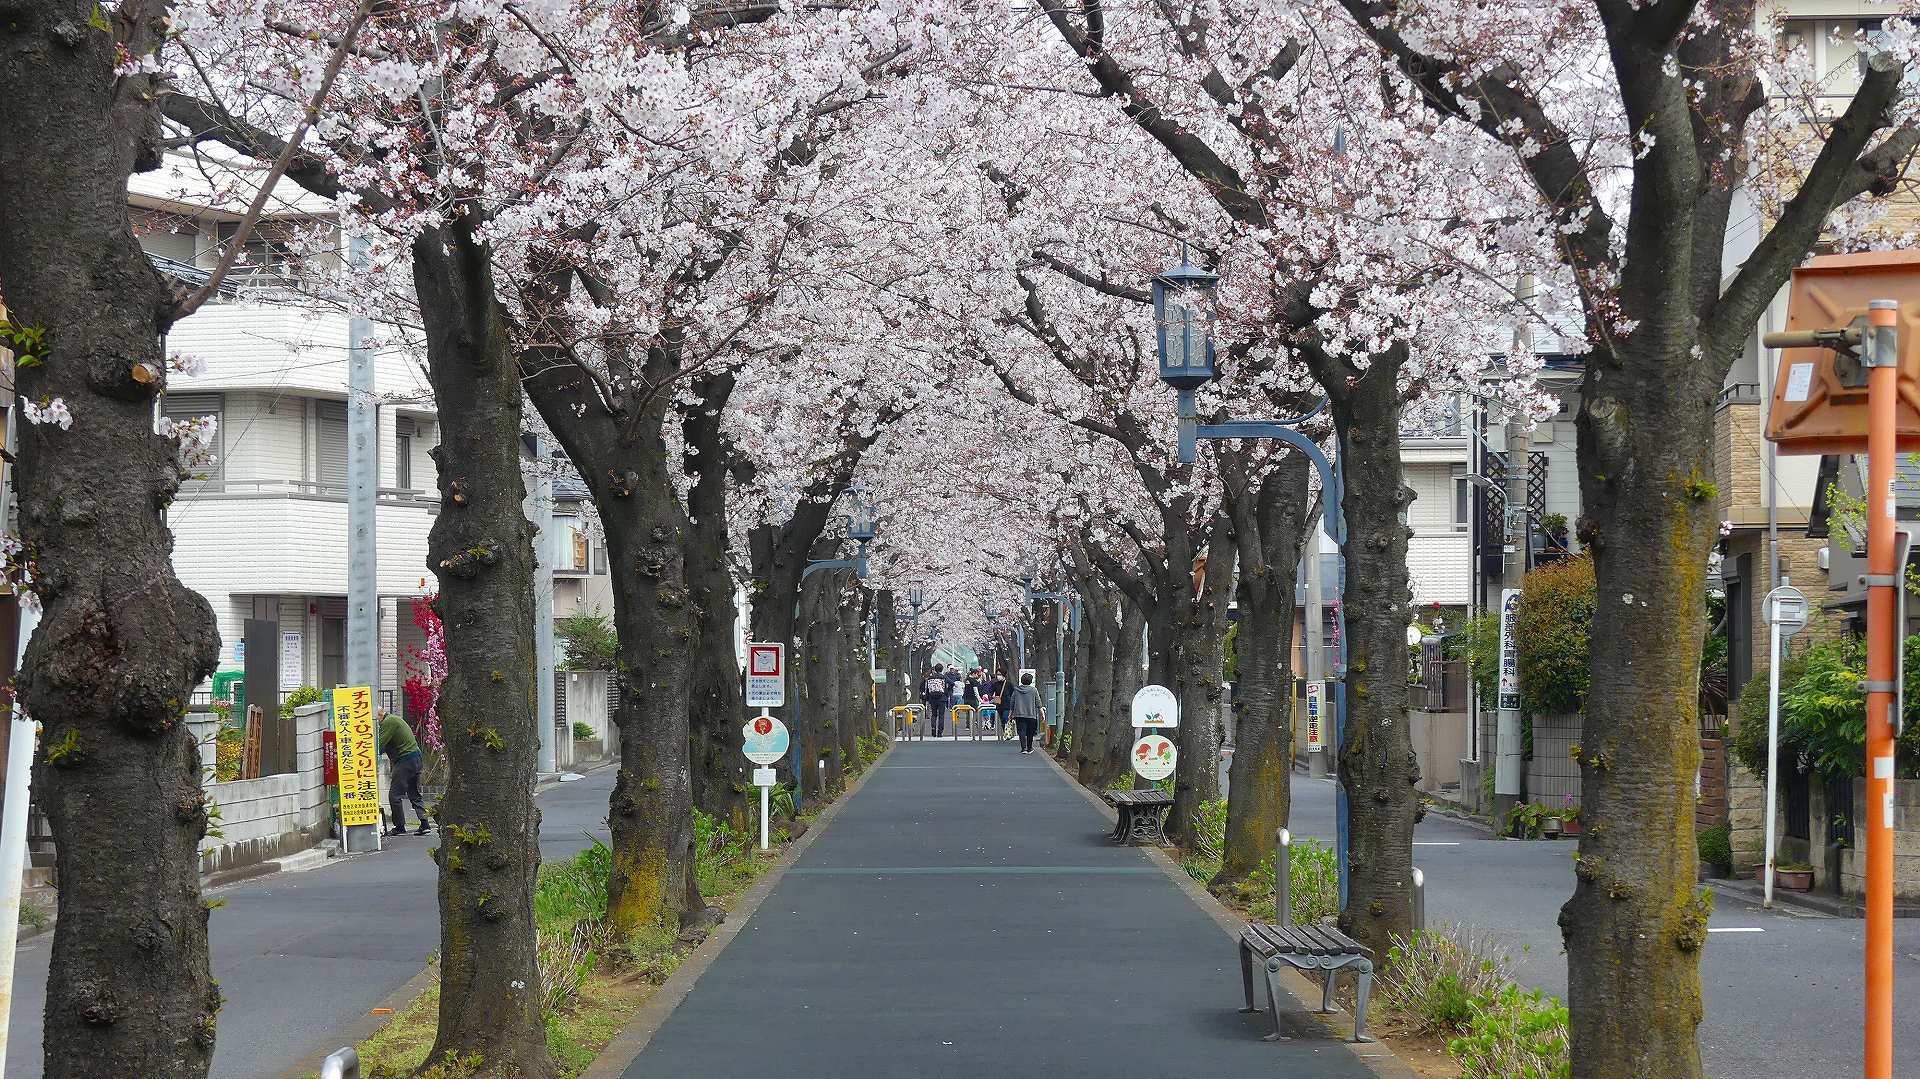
[(764, 739), (1154, 757), (1156, 706)]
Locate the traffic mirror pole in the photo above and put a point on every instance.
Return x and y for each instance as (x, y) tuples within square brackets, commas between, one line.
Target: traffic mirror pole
[(1786, 611), (1884, 639)]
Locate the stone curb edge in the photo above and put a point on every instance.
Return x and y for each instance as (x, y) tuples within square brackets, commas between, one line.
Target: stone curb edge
[(627, 1045), (1376, 1056)]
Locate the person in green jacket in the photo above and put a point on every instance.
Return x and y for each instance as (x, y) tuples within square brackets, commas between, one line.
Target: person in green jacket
[(403, 749)]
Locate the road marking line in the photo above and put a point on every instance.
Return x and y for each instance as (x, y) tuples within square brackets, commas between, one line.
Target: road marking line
[(1736, 929), (1435, 843)]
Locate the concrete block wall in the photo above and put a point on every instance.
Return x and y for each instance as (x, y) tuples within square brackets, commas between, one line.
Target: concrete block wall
[(1906, 841), (273, 815), (1552, 774)]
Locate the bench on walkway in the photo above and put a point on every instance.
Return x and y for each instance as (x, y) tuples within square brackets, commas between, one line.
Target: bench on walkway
[(1140, 814), (1309, 948)]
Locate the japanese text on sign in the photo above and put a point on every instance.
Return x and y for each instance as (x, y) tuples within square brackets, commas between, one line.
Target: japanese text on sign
[(1316, 713), (356, 745), (1509, 649)]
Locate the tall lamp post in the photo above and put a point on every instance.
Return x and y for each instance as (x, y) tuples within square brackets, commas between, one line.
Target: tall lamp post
[(860, 530), (1183, 338), (1054, 694)]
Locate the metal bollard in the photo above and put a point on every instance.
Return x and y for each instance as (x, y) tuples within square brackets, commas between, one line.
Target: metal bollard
[(1282, 879), (1419, 900), (341, 1064)]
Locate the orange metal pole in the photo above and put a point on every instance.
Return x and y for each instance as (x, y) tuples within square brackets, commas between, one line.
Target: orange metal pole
[(1883, 637)]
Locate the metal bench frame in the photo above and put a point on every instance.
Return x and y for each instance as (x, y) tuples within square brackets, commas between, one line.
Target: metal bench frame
[(1139, 820), (1308, 949)]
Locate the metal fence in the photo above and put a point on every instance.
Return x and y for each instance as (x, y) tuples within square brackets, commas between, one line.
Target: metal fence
[(1442, 687)]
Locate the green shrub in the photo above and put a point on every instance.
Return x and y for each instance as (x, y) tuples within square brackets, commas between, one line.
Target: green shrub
[(1478, 642), (587, 642), (1515, 1034), (1748, 739), (584, 730), (567, 892), (300, 698), (1552, 626), (229, 746), (1434, 978), (1313, 883), (1823, 712), (1715, 845)]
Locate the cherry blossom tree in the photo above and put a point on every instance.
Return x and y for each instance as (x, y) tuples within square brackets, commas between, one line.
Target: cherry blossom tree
[(1648, 131)]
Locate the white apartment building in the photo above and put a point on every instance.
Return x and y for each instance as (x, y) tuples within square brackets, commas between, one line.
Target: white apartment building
[(264, 534)]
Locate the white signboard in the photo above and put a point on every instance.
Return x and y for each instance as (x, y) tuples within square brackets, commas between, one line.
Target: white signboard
[(764, 739), (766, 675), (1316, 715), (1509, 650), (292, 660), (1154, 757), (1156, 706), (763, 777)]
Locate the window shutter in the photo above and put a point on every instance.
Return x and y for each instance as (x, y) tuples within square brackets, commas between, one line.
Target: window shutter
[(331, 417)]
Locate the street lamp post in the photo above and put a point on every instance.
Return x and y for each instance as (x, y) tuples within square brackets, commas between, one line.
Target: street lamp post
[(1183, 336), (860, 528)]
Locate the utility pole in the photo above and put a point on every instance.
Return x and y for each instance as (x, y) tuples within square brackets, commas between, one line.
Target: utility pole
[(540, 510), (363, 463), (1509, 767), (363, 569)]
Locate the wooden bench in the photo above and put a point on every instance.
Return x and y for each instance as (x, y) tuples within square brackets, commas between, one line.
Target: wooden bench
[(1140, 813), (1309, 948)]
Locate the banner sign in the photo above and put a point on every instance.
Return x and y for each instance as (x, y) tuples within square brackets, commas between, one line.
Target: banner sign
[(1316, 715), (1154, 757), (356, 747), (764, 739), (766, 675), (1509, 650)]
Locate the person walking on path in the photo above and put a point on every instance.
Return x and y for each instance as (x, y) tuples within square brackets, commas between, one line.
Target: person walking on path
[(1023, 704), (971, 695), (403, 749), (933, 694), (995, 693)]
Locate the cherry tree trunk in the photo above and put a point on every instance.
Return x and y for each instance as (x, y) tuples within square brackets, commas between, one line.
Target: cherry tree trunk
[(121, 641), (1636, 921), (1377, 765), (1096, 695), (651, 812), (1200, 645), (715, 698), (1126, 681), (1271, 524), (855, 716), (1079, 651), (481, 551)]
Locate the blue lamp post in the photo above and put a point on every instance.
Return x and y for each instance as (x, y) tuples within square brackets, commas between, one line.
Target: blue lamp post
[(1183, 332), (860, 529)]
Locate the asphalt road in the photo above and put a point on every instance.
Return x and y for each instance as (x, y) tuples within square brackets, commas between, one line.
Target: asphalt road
[(302, 957), (1784, 1000), (964, 916)]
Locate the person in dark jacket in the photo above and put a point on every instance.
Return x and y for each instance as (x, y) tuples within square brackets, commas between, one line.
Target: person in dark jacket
[(1024, 707), (995, 693), (400, 746), (933, 694)]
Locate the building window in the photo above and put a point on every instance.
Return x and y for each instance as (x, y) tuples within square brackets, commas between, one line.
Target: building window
[(192, 406), (1462, 499), (267, 257), (403, 430), (330, 430)]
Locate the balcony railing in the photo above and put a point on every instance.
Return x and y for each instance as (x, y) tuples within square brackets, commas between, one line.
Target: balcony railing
[(1740, 393), (304, 489)]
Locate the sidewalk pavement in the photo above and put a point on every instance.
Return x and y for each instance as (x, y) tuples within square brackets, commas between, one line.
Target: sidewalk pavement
[(964, 915)]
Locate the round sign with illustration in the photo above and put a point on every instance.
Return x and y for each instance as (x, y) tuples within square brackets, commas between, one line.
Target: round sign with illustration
[(765, 739), (1154, 757), (1156, 706)]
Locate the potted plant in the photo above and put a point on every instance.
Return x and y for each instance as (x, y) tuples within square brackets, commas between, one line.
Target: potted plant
[(1716, 850), (1526, 820), (1570, 821), (1793, 876), (1550, 823)]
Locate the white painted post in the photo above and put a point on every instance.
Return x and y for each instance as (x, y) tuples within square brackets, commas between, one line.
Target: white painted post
[(1786, 611), (763, 816)]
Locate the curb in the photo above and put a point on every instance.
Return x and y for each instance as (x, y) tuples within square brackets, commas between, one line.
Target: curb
[(1814, 904), (1376, 1056), (541, 786), (626, 1046)]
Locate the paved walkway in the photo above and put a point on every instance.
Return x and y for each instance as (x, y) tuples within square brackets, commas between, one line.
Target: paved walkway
[(963, 915)]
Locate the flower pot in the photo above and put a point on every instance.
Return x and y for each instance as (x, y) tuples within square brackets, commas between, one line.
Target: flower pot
[(1793, 880), (1551, 825), (1570, 826)]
